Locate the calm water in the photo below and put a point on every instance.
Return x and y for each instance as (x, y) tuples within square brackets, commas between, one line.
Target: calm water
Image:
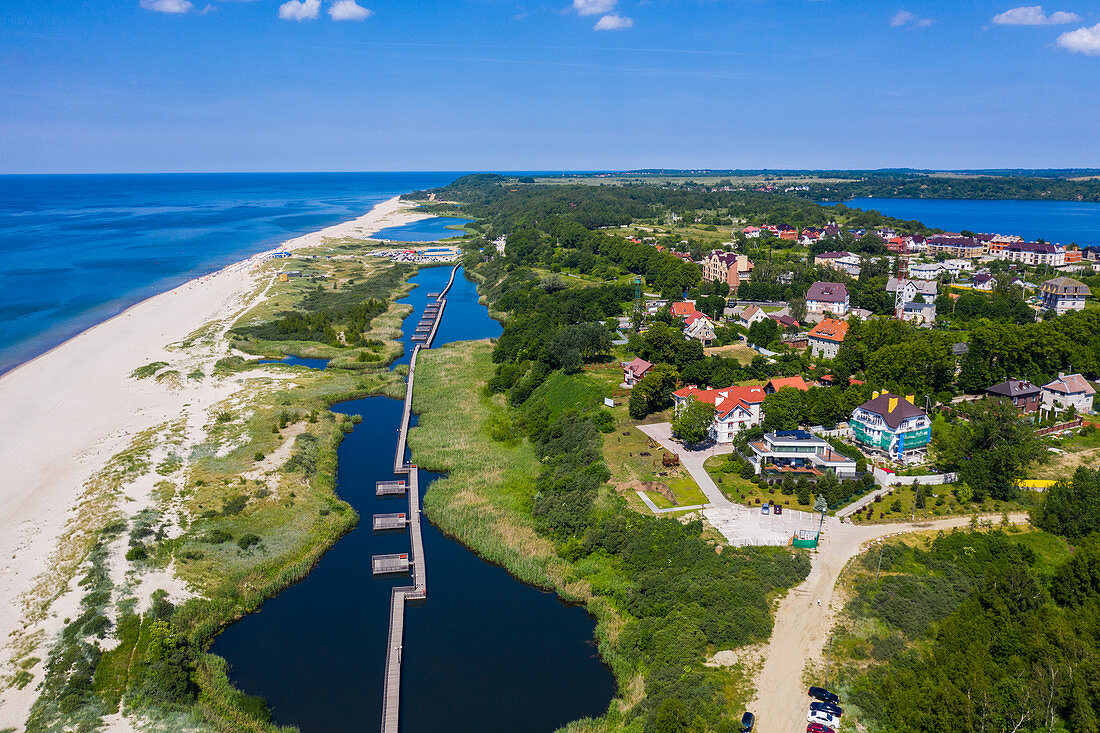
[(76, 249), (292, 360), (483, 653), (1063, 222), (425, 230)]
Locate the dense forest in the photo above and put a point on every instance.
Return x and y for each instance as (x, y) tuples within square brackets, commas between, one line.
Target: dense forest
[(915, 186), (977, 631)]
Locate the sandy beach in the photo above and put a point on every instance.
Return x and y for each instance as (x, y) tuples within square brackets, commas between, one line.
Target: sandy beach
[(67, 413)]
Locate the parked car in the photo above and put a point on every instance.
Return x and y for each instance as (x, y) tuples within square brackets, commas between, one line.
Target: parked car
[(824, 695), (816, 716), (827, 707), (818, 728), (765, 509), (778, 509), (748, 720)]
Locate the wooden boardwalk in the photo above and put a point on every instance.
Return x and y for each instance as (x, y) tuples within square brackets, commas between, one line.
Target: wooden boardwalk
[(391, 686), (390, 488), (385, 522)]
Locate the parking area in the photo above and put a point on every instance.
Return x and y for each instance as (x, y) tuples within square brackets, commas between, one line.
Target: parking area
[(742, 525)]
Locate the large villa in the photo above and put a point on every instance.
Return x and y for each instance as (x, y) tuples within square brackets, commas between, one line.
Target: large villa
[(800, 453)]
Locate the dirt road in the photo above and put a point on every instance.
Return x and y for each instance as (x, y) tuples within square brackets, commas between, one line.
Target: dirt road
[(802, 627)]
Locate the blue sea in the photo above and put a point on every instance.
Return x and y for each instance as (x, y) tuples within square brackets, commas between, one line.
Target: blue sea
[(78, 249), (1062, 222)]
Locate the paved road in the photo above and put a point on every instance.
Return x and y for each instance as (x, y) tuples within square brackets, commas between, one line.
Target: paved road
[(692, 460), (802, 627)]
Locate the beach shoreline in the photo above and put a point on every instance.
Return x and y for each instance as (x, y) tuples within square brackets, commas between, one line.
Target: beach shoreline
[(70, 411)]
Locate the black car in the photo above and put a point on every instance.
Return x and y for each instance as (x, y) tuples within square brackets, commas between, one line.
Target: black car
[(827, 707), (748, 720), (824, 695)]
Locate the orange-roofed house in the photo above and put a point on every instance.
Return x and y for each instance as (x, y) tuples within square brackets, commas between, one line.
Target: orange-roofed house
[(826, 337), (779, 383), (683, 309), (736, 408)]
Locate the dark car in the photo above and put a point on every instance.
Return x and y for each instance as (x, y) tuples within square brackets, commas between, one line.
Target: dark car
[(824, 695), (827, 707), (777, 509), (748, 720), (818, 728)]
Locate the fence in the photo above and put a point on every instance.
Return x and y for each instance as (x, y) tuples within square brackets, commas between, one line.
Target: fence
[(889, 478), (1060, 427)]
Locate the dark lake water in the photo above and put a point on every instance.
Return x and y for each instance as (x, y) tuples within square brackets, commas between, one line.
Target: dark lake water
[(1063, 222), (425, 230), (483, 653)]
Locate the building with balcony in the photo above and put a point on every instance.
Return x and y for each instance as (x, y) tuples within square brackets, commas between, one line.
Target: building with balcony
[(894, 426), (1063, 294), (797, 451)]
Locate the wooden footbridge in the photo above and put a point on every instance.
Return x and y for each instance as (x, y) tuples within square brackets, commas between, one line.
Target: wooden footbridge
[(414, 560)]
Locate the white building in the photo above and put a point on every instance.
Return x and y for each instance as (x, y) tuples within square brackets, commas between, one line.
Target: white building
[(1067, 390), (736, 408)]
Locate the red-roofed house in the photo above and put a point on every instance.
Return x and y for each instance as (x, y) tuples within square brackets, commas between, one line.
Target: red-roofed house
[(736, 408), (684, 308), (826, 337), (633, 371), (779, 383), (751, 315)]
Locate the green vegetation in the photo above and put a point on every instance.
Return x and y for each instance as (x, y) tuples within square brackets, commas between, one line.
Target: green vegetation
[(979, 629), (663, 596), (1071, 508), (692, 422), (990, 450)]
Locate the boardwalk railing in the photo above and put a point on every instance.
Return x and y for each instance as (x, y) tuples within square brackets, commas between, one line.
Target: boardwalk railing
[(391, 690)]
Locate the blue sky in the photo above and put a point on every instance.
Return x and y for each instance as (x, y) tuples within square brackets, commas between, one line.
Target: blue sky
[(220, 85)]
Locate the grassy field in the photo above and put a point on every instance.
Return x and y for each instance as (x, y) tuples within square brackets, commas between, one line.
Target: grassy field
[(484, 501), (742, 353), (1078, 450)]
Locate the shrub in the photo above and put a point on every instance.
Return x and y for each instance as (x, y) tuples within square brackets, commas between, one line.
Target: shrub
[(248, 540)]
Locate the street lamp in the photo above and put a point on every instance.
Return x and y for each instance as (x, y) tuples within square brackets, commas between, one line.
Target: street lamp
[(821, 506)]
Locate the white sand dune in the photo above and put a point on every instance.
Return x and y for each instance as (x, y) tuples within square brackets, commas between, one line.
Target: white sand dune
[(64, 415)]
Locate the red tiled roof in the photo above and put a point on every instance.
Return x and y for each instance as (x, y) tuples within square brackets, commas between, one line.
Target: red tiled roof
[(683, 309), (796, 382), (724, 400), (830, 329)]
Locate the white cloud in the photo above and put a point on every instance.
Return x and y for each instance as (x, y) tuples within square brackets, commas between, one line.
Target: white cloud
[(613, 22), (1034, 15), (905, 19), (594, 7), (1083, 40), (167, 6), (300, 9), (348, 10)]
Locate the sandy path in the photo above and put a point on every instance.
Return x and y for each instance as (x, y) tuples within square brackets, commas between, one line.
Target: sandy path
[(64, 414), (802, 627)]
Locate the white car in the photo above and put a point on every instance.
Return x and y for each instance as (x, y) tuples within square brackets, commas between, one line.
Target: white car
[(816, 716)]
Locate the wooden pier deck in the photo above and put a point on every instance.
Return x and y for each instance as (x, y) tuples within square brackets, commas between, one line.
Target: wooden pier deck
[(391, 686), (390, 564), (384, 522), (390, 488)]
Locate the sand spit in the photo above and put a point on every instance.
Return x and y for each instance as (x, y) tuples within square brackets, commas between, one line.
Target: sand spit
[(66, 415)]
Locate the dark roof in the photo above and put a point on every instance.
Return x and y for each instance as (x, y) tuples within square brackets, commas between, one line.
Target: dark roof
[(827, 292), (903, 409), (1014, 388), (960, 348)]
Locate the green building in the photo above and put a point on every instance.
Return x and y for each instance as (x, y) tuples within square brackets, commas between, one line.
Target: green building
[(894, 426)]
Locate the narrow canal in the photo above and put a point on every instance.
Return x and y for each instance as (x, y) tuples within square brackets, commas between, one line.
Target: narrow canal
[(483, 653)]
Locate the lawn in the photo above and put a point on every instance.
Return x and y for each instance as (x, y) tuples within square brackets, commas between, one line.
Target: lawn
[(740, 352), (744, 491)]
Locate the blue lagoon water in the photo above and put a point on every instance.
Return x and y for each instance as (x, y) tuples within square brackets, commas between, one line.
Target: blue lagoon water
[(1062, 222), (425, 230), (484, 652), (78, 249)]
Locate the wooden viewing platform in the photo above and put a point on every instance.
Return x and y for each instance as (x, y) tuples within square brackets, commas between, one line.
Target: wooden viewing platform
[(390, 564), (391, 685), (389, 488), (384, 522)]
